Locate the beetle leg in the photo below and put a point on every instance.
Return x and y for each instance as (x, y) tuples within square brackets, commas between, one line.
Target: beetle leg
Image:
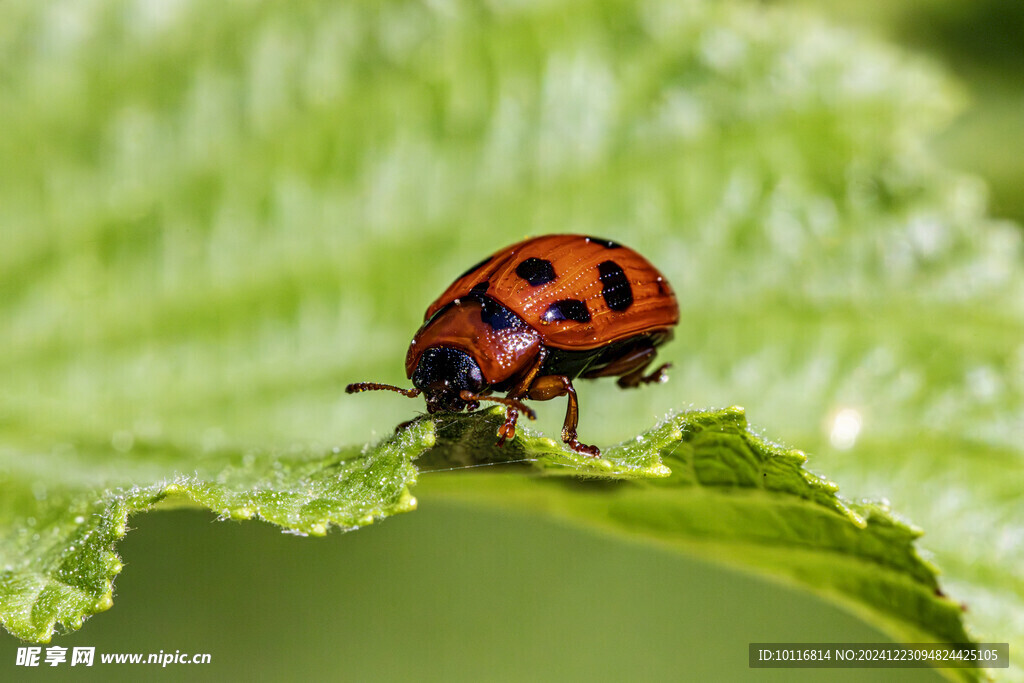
[(630, 369), (526, 383), (551, 386), (508, 429), (473, 402), (637, 377)]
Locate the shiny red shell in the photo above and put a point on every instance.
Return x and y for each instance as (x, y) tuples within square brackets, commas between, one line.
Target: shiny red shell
[(578, 273), (533, 317)]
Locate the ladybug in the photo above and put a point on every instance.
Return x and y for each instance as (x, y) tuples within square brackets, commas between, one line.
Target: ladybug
[(529, 319)]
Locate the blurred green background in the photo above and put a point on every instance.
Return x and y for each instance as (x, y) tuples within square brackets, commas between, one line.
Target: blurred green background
[(979, 42), (214, 216)]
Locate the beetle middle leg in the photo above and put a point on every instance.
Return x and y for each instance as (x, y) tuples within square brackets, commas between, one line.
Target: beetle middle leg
[(552, 386)]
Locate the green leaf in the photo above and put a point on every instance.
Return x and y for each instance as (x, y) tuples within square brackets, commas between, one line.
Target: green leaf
[(216, 215), (58, 552), (710, 487)]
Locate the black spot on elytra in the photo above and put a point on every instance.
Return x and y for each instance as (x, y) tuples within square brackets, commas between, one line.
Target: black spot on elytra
[(536, 271), (662, 287), (616, 290), (475, 268), (607, 244), (496, 315), (567, 309), (480, 287)]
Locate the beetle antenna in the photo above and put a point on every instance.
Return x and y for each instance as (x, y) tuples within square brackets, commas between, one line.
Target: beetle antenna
[(375, 386), (518, 405)]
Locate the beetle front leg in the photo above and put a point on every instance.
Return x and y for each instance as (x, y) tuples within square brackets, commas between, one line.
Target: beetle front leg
[(508, 429), (552, 386)]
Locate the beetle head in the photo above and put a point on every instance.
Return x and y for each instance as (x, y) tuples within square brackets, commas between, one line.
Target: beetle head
[(442, 374)]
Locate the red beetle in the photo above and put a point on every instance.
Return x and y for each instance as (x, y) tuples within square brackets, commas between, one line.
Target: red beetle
[(531, 318)]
